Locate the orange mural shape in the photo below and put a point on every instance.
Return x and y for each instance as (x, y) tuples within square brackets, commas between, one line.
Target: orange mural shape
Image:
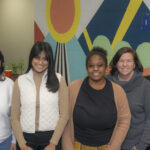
[(63, 18), (62, 14), (146, 71)]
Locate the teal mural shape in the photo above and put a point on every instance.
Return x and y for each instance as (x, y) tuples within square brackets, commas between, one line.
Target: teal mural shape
[(75, 55)]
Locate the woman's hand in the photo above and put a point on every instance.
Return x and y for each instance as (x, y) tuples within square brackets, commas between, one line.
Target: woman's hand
[(134, 148), (25, 147), (50, 147), (13, 146), (108, 147)]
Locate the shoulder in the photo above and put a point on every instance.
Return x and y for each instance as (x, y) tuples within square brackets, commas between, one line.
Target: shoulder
[(22, 76), (21, 80), (76, 83), (145, 87), (109, 77), (142, 83), (115, 85), (6, 85), (146, 82), (118, 90), (9, 81)]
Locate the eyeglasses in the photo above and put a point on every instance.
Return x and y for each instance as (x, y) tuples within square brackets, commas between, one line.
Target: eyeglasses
[(127, 61)]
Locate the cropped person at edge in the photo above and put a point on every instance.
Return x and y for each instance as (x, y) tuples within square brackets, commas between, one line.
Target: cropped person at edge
[(7, 140), (127, 72)]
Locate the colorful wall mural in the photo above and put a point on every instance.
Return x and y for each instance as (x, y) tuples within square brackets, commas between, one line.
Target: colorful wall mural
[(73, 27)]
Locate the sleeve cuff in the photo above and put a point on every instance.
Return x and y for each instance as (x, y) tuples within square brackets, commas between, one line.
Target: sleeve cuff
[(13, 139), (141, 146)]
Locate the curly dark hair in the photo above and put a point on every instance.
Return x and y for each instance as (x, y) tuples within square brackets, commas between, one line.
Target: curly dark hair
[(97, 51)]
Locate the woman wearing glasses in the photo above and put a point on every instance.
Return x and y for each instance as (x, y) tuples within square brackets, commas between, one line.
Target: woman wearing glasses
[(127, 72)]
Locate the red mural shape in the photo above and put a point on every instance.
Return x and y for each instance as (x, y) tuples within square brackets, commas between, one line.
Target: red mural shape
[(62, 13), (38, 35)]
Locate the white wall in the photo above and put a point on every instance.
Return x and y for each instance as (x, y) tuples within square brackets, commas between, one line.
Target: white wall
[(16, 29)]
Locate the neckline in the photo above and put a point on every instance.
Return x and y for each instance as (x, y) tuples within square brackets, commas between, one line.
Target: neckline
[(89, 86)]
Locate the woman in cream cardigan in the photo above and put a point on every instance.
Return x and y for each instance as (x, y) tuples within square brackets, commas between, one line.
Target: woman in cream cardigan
[(39, 103)]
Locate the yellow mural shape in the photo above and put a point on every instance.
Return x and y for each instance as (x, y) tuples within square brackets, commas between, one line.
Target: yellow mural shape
[(87, 39), (128, 17), (63, 37)]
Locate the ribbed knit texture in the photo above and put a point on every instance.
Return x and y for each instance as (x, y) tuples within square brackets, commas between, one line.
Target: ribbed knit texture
[(138, 94)]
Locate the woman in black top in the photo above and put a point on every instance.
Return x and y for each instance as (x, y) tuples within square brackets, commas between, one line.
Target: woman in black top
[(100, 114)]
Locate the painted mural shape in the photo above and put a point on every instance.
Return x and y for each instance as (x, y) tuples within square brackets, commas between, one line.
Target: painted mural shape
[(62, 18), (73, 27)]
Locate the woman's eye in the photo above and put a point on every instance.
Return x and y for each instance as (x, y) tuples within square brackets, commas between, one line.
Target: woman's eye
[(90, 66), (45, 58), (37, 57), (100, 65)]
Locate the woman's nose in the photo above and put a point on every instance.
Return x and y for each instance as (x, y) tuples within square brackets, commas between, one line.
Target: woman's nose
[(125, 63), (40, 61), (95, 67)]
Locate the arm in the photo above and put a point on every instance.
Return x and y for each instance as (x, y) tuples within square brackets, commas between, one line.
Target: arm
[(123, 118), (64, 115), (68, 135), (13, 142), (15, 115), (67, 142), (67, 138), (145, 140)]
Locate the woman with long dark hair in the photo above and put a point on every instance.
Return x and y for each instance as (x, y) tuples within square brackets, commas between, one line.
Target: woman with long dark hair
[(127, 72), (7, 141), (39, 102)]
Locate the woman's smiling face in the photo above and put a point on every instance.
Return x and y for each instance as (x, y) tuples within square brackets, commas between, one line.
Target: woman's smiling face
[(96, 68), (40, 63), (126, 65)]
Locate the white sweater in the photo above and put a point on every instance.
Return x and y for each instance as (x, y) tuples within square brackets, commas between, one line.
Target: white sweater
[(49, 104), (6, 87)]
